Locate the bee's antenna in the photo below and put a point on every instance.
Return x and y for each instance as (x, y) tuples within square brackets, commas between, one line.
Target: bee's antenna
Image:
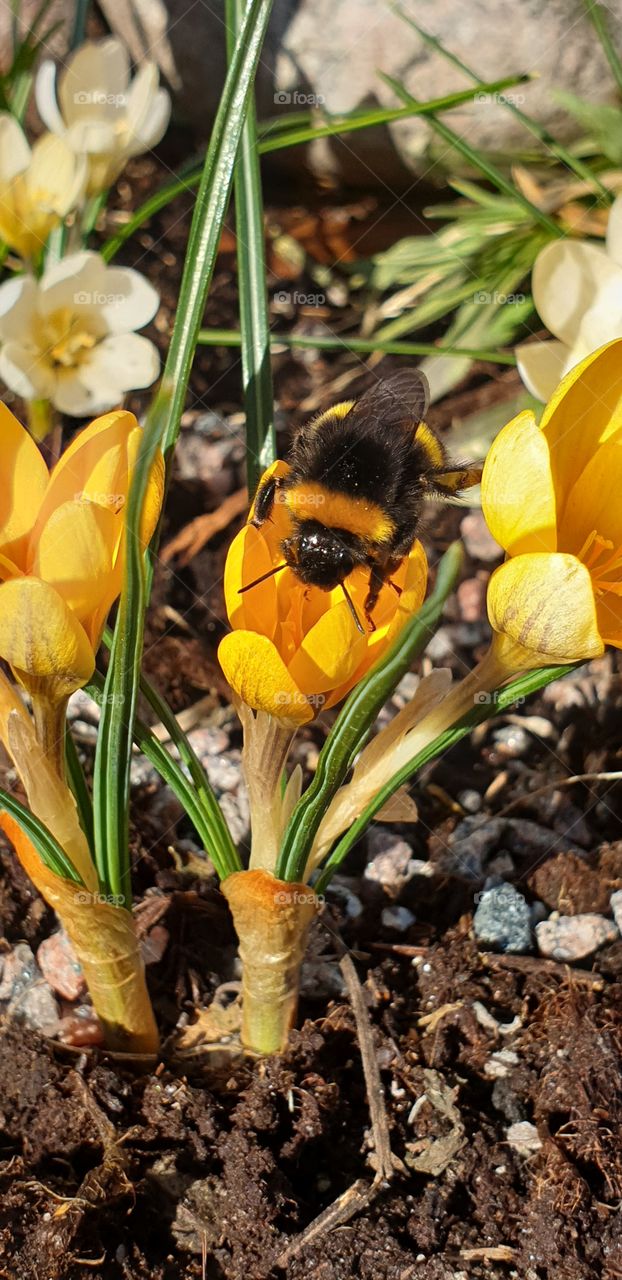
[(359, 625), (263, 577)]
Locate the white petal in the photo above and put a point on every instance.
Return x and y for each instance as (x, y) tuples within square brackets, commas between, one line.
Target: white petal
[(122, 362), (14, 149), (95, 81), (72, 397), (566, 277), (541, 366), (95, 136), (152, 130), (130, 300), (18, 299), (77, 280), (141, 93), (603, 320), (24, 371), (614, 231), (45, 97)]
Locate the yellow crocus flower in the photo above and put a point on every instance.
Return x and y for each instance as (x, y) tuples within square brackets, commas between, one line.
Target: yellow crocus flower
[(551, 498), (61, 548), (38, 186), (295, 650)]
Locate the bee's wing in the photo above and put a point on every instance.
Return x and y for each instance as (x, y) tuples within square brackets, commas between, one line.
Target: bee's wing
[(402, 397)]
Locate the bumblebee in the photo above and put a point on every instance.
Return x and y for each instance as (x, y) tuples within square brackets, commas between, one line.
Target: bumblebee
[(360, 473)]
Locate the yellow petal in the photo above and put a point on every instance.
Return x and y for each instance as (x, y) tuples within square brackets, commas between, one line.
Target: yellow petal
[(75, 555), (413, 590), (609, 613), (42, 639), (545, 603), (155, 488), (585, 411), (24, 480), (595, 501), (257, 673), (94, 465), (518, 498), (248, 558), (329, 652)]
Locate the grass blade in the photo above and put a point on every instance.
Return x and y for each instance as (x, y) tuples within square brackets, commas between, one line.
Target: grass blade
[(362, 346), (519, 688), (596, 15), (356, 718), (209, 213), (111, 773), (254, 322), (277, 141), (479, 161), (77, 782), (49, 850)]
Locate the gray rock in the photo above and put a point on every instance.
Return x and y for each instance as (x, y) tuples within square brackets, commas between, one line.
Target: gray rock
[(397, 918), (574, 937), (524, 1138), (616, 907), (469, 800), (390, 865), (25, 993), (503, 920), (328, 53)]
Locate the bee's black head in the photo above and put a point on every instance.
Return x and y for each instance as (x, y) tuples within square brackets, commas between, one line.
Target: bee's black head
[(322, 557)]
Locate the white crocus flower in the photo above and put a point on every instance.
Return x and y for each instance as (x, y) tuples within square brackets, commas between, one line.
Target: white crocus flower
[(38, 187), (577, 291), (99, 111), (68, 337)]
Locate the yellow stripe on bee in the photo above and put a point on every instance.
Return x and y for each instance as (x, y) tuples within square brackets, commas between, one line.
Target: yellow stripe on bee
[(433, 447), (338, 411), (360, 516)]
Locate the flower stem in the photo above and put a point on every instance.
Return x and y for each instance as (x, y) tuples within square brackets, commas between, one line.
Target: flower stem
[(272, 919), (104, 939), (49, 718), (40, 419)]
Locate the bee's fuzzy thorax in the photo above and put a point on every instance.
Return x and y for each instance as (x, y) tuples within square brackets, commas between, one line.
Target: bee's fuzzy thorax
[(315, 501)]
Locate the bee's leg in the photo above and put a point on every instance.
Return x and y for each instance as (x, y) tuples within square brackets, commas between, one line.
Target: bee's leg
[(391, 583), (377, 580), (264, 501)]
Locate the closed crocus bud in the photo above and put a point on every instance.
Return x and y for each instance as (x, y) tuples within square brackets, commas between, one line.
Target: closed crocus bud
[(62, 548)]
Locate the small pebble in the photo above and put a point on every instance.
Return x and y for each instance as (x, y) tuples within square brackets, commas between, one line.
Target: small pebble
[(478, 539), (471, 596), (81, 1028), (19, 970), (500, 1064), (503, 920), (390, 862), (469, 800), (397, 918), (511, 742), (616, 907), (574, 937), (60, 966), (523, 1137)]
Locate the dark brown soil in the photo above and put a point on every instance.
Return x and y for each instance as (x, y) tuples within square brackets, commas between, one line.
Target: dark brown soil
[(212, 1168)]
